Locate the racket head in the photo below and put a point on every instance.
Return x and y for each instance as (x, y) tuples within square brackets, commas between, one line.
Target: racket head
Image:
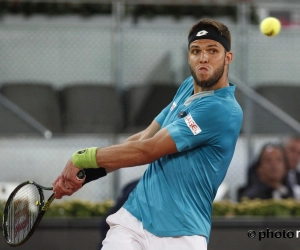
[(22, 213)]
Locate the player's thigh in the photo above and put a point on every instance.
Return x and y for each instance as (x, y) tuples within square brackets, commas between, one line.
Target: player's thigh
[(120, 238), (194, 242)]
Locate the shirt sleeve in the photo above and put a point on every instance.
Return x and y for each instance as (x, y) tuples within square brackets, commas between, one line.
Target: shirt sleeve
[(163, 114), (203, 123)]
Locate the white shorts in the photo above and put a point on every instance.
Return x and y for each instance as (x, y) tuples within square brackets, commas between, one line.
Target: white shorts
[(127, 233)]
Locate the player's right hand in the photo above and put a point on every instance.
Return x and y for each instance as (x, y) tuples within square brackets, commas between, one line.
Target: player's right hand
[(67, 183)]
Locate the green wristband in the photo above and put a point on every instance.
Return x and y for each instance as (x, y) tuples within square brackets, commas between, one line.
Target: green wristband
[(85, 158)]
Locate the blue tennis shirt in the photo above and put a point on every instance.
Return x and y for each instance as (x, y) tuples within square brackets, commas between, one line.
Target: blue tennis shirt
[(175, 195)]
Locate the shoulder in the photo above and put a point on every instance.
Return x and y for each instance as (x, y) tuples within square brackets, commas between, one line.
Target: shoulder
[(186, 84), (224, 103), (211, 105)]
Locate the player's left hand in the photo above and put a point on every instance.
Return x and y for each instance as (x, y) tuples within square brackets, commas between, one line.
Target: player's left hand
[(67, 183)]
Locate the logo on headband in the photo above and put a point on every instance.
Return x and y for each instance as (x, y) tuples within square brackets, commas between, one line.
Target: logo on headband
[(202, 33)]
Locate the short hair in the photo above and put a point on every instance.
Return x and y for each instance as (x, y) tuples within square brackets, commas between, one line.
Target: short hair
[(209, 23)]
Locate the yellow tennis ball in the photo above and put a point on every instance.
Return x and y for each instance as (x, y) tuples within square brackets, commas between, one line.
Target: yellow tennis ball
[(270, 26)]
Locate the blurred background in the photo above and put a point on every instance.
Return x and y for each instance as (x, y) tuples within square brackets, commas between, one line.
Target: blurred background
[(81, 73)]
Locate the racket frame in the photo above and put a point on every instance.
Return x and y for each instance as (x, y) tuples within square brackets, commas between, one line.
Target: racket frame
[(43, 207)]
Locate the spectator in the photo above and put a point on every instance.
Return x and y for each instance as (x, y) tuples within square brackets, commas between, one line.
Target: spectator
[(268, 175), (292, 149)]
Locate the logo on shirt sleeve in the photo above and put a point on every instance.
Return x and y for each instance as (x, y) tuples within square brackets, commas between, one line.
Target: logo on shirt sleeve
[(173, 106), (192, 124)]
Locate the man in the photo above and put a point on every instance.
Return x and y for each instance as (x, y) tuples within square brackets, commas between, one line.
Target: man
[(188, 146), (269, 175), (292, 149)]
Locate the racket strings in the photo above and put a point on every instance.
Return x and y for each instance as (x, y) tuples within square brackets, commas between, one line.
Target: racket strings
[(22, 213)]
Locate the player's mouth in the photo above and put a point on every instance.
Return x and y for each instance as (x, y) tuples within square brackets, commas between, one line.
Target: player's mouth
[(203, 70)]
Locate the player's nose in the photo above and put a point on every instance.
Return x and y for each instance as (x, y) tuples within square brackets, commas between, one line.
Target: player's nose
[(203, 57)]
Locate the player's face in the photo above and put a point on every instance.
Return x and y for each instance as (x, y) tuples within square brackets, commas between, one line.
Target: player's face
[(207, 60)]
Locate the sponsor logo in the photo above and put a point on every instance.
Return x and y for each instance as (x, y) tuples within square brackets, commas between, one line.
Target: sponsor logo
[(80, 152), (173, 105), (192, 124), (182, 114), (21, 217), (202, 33)]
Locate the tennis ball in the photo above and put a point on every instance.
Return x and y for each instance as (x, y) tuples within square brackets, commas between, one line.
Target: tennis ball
[(270, 26)]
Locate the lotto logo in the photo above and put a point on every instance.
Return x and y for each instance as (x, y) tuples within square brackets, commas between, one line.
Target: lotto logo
[(192, 124), (202, 33)]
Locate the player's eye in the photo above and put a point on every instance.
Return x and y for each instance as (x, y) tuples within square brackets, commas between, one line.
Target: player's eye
[(195, 51), (213, 51)]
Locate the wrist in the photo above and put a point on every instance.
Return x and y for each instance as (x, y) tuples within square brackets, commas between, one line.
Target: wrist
[(85, 158), (80, 175), (92, 174)]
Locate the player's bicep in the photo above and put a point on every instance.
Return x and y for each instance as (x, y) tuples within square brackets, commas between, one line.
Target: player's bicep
[(162, 144)]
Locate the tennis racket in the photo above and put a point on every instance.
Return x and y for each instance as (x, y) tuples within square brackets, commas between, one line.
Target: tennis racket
[(24, 210)]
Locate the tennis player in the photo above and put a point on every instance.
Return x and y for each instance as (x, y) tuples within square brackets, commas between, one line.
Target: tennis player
[(188, 146)]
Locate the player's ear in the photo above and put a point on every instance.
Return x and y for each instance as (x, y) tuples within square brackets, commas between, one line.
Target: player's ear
[(228, 57)]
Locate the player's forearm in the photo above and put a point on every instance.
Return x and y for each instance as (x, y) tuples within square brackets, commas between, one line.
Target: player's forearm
[(145, 134), (134, 137), (136, 153), (127, 154)]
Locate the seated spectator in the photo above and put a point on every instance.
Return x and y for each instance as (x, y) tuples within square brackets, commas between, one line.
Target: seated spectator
[(292, 149), (267, 177)]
